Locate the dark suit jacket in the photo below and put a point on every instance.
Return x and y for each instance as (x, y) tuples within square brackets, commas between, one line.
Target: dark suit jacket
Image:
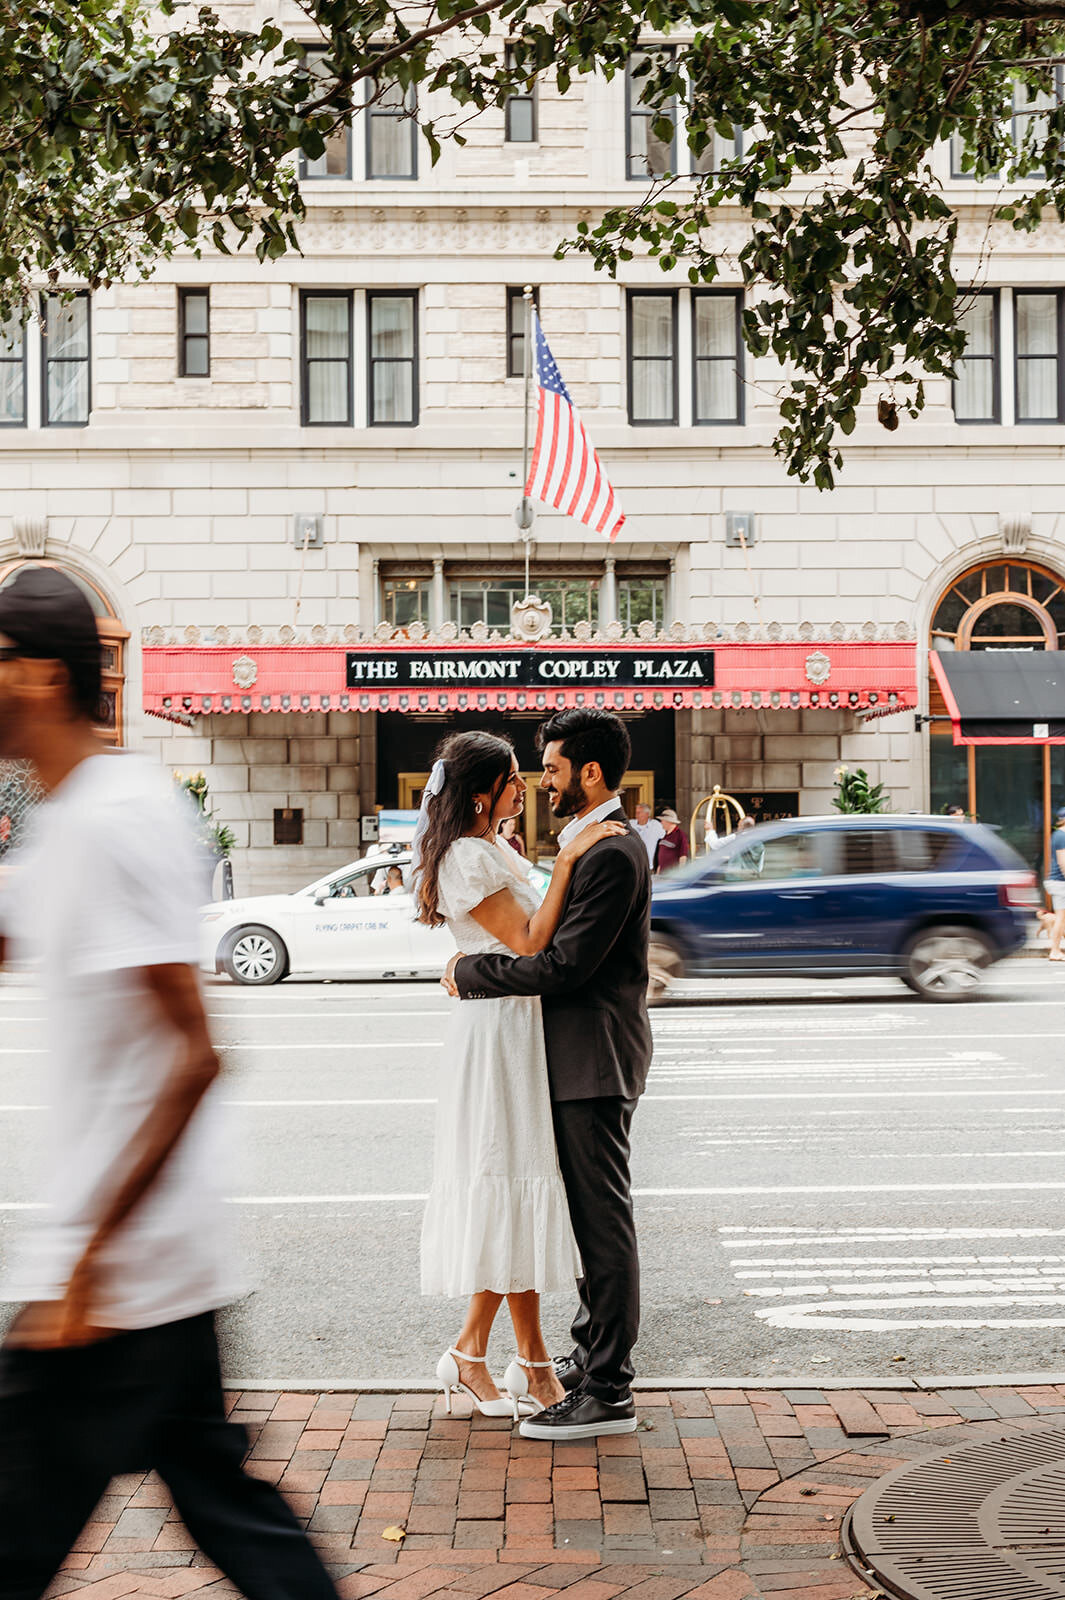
[(592, 977)]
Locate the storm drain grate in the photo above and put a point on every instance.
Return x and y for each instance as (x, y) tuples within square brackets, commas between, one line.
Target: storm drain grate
[(983, 1522)]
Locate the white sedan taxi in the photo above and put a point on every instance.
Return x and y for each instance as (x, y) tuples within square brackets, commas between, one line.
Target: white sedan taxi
[(343, 926)]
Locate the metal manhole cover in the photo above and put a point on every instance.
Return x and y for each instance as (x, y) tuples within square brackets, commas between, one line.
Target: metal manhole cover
[(983, 1522)]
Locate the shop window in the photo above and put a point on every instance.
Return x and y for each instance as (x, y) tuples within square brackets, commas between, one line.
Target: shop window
[(1038, 327), (393, 365), (194, 333), (717, 356), (288, 825), (13, 373), (641, 600), (405, 600), (520, 111), (516, 330), (326, 389), (977, 385), (65, 391), (652, 342), (392, 133), (335, 160)]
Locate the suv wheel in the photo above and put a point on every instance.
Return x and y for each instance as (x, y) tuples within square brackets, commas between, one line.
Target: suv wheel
[(665, 965), (255, 956), (946, 963)]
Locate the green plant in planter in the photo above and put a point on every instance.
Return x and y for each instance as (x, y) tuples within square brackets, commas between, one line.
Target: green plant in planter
[(217, 839), (857, 795)]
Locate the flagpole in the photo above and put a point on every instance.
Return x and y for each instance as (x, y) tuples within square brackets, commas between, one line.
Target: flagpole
[(527, 512)]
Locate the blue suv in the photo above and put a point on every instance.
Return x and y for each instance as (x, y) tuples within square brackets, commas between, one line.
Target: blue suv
[(932, 901)]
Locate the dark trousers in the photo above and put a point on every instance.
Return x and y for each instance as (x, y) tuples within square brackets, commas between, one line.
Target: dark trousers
[(71, 1419), (593, 1153)]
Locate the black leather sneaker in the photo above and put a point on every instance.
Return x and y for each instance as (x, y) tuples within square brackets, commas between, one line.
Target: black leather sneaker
[(568, 1373), (581, 1416)]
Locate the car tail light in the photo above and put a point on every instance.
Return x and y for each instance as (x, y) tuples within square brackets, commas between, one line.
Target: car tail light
[(1019, 892)]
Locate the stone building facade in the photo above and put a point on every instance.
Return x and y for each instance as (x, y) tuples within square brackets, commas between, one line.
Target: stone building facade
[(262, 502)]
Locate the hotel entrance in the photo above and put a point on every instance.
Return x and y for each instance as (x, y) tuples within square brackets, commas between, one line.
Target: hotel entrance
[(539, 828)]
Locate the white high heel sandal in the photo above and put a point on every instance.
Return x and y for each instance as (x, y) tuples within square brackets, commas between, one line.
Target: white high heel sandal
[(447, 1372), (516, 1383)]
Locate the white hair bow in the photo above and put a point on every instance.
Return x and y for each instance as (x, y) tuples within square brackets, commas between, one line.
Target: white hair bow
[(437, 779)]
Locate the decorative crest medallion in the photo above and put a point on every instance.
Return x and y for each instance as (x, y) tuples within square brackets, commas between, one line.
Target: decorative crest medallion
[(531, 618), (245, 672), (818, 667)]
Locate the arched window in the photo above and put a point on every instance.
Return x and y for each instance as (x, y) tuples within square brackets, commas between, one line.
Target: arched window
[(999, 605), (113, 638)]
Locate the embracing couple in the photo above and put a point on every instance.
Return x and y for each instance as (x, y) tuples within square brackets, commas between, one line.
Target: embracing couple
[(545, 1060)]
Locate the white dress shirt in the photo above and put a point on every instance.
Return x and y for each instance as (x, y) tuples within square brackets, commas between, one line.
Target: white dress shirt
[(576, 824)]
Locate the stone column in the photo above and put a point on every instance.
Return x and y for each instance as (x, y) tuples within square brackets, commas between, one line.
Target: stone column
[(437, 596), (608, 594), (376, 591)]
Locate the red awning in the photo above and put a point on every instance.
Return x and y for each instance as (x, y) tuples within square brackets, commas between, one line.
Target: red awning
[(875, 678)]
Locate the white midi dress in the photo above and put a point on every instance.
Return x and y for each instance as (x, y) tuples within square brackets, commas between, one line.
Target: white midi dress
[(496, 1217)]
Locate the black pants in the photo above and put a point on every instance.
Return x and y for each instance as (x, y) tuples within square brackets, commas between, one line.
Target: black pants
[(593, 1153), (71, 1419)]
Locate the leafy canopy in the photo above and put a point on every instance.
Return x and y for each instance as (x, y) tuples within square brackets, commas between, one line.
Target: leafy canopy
[(128, 130)]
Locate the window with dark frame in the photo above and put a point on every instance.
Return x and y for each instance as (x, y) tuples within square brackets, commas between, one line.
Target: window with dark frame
[(652, 357), (405, 600), (326, 358), (977, 386), (65, 346), (392, 133), (1026, 108), (288, 825), (717, 357), (646, 155), (1038, 324), (641, 600), (13, 373), (520, 111), (335, 160), (194, 333), (516, 330), (392, 365)]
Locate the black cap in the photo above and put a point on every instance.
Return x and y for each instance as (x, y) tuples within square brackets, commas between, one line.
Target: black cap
[(46, 615)]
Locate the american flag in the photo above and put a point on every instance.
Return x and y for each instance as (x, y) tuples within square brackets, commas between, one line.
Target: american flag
[(566, 472)]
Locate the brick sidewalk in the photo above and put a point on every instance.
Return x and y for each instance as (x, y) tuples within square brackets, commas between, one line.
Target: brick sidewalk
[(721, 1495)]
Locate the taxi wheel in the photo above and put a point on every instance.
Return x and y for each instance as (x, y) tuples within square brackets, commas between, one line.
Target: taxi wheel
[(255, 956), (946, 963), (665, 965)]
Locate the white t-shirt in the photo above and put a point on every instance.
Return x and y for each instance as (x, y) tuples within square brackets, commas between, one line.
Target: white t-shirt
[(107, 883), (650, 832)]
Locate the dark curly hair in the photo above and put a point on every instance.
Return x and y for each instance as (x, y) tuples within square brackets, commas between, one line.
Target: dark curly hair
[(588, 735), (476, 763)]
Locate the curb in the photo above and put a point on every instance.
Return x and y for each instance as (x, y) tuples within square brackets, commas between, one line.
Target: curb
[(818, 1382)]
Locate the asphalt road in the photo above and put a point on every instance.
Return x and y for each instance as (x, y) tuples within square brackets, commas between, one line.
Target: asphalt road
[(840, 1181)]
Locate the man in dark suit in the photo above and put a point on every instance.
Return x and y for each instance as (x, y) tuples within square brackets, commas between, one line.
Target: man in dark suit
[(593, 983)]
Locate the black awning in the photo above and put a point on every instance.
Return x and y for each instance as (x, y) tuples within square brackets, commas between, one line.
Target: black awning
[(1003, 696)]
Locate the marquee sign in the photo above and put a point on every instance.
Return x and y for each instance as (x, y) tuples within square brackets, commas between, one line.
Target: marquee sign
[(530, 669)]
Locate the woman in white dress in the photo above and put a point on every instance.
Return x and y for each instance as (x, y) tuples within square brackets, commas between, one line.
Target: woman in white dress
[(497, 1224)]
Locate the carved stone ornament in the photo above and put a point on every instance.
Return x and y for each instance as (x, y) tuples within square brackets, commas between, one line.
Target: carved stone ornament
[(530, 618), (245, 672), (818, 667), (1015, 530), (31, 536)]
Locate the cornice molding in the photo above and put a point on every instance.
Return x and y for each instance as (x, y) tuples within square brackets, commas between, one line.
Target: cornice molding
[(678, 633)]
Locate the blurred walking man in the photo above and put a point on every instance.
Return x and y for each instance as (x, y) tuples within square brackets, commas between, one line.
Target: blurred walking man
[(112, 1364)]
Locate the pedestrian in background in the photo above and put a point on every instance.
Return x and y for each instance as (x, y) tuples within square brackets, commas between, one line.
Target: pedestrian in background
[(112, 1364), (1054, 919), (672, 848), (649, 829), (508, 830)]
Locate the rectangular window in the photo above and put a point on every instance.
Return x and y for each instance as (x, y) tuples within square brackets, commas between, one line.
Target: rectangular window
[(335, 159), (13, 373), (717, 357), (194, 333), (717, 152), (516, 330), (405, 600), (652, 329), (519, 114), (976, 387), (1038, 327), (392, 133), (489, 600), (1029, 114), (392, 318), (65, 390), (641, 600), (647, 155), (326, 391)]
